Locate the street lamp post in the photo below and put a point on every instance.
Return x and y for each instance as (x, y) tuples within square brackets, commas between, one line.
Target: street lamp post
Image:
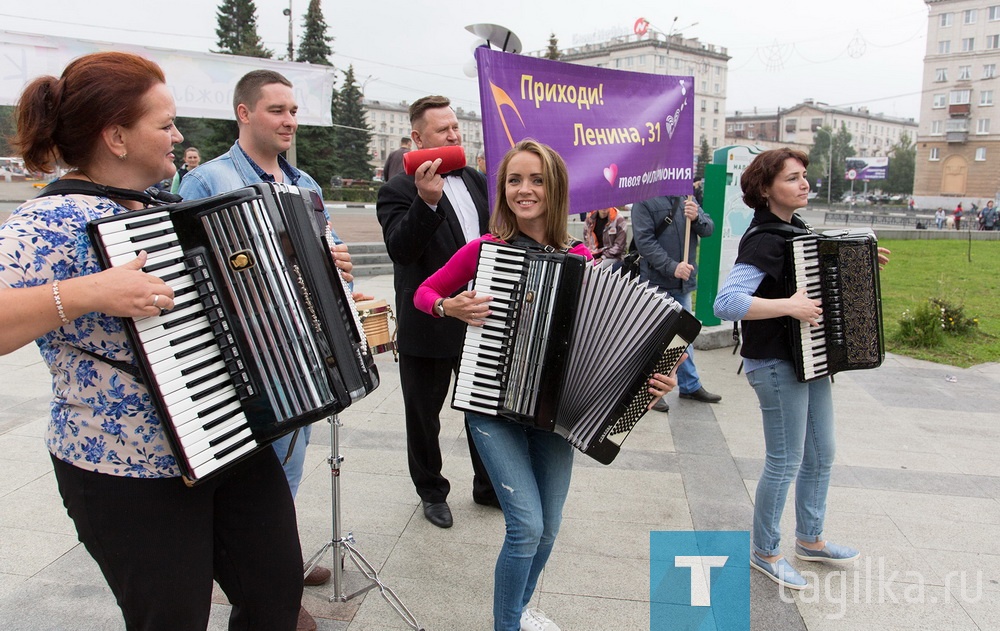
[(829, 167), (292, 154), (291, 50)]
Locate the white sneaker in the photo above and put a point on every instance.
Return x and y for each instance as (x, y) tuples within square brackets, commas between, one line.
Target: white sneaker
[(535, 620)]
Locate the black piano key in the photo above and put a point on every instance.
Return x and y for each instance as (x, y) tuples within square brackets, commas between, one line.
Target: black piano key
[(194, 383), (180, 340), (194, 349), (214, 408), (190, 370), (228, 450), (226, 436), (155, 267)]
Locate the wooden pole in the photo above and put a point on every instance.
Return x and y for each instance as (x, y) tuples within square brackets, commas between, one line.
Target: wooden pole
[(687, 234)]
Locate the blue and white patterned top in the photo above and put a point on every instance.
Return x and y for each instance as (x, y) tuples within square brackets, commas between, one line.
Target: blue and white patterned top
[(102, 418)]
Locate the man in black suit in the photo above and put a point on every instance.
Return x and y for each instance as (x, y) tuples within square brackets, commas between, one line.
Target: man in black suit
[(425, 219)]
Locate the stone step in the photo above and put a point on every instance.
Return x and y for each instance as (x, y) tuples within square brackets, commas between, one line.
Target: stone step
[(367, 271), (370, 259)]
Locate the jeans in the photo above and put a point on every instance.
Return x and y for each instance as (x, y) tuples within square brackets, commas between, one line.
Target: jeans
[(296, 462), (798, 436), (531, 471), (688, 380)]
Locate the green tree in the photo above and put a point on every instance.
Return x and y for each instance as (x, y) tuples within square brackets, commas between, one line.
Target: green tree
[(314, 47), (552, 52), (237, 29), (902, 165), (704, 157), (212, 137), (819, 161), (352, 134), (314, 145), (6, 129), (237, 33)]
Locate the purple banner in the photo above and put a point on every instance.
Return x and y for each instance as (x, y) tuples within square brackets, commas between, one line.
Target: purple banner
[(625, 136)]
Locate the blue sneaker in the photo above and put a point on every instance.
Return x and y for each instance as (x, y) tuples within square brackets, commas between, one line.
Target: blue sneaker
[(831, 553), (780, 572)]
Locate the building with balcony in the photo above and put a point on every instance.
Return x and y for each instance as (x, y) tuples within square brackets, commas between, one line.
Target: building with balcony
[(658, 53), (871, 134), (958, 145), (390, 122)]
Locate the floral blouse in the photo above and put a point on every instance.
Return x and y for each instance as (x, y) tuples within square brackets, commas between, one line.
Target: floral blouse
[(102, 418)]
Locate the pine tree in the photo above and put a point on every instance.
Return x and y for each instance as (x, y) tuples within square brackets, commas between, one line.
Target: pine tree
[(237, 30), (314, 144), (352, 134), (552, 52), (704, 157), (314, 47), (237, 33)]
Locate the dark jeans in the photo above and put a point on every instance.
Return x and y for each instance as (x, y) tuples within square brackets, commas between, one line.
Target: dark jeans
[(425, 383), (160, 544)]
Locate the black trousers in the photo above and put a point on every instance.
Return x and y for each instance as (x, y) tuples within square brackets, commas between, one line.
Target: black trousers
[(160, 544), (425, 384)]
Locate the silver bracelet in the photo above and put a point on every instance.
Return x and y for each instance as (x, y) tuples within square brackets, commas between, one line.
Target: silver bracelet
[(59, 304)]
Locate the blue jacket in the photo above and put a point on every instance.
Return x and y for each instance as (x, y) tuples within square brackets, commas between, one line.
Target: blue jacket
[(229, 172), (660, 255)]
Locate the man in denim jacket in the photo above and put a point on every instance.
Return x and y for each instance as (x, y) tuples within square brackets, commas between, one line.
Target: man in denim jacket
[(265, 112)]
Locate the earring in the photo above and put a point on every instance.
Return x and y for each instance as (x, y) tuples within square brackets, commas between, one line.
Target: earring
[(123, 155)]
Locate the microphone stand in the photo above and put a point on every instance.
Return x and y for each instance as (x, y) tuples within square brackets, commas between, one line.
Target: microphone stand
[(343, 546)]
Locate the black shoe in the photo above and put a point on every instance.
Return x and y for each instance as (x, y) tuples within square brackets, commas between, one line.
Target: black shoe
[(486, 500), (703, 395), (661, 406), (438, 514)]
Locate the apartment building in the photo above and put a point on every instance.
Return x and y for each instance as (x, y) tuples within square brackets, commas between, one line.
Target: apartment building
[(390, 122), (871, 134), (958, 143), (657, 53)]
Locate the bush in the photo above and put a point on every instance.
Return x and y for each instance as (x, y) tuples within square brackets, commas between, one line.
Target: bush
[(366, 195), (927, 325), (953, 318), (921, 328)]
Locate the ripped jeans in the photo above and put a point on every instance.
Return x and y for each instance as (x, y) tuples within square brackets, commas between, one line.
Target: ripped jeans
[(531, 471)]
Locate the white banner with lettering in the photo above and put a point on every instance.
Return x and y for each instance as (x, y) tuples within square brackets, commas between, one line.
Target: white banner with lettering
[(202, 83)]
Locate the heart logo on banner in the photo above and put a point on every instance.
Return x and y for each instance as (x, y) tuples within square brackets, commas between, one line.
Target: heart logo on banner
[(611, 174)]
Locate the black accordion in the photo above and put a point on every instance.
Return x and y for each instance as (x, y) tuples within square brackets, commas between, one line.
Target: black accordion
[(557, 324), (263, 337), (840, 269)]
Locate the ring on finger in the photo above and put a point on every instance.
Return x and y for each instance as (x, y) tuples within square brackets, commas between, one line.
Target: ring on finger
[(156, 298)]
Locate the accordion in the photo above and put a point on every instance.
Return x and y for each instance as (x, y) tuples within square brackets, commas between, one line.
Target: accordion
[(840, 269), (263, 337), (556, 322)]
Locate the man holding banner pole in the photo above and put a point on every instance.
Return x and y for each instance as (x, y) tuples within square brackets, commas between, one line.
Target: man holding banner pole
[(666, 231)]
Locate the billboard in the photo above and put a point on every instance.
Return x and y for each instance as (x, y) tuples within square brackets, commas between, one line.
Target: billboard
[(866, 169)]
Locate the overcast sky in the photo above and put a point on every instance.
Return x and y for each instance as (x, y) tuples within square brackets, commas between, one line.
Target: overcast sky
[(851, 52)]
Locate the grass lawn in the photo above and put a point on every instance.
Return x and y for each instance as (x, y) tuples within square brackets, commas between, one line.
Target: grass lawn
[(963, 274)]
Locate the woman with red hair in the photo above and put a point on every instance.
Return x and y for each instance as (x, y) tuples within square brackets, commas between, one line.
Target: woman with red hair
[(160, 544)]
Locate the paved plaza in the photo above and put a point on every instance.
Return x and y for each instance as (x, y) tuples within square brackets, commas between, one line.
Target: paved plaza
[(916, 487)]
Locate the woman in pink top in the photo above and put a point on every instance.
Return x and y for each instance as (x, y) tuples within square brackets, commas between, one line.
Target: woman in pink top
[(530, 468)]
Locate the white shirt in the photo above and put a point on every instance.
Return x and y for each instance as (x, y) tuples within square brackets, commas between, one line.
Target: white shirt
[(460, 198)]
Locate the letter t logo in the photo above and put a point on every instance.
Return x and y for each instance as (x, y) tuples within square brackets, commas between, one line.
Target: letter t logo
[(701, 576)]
